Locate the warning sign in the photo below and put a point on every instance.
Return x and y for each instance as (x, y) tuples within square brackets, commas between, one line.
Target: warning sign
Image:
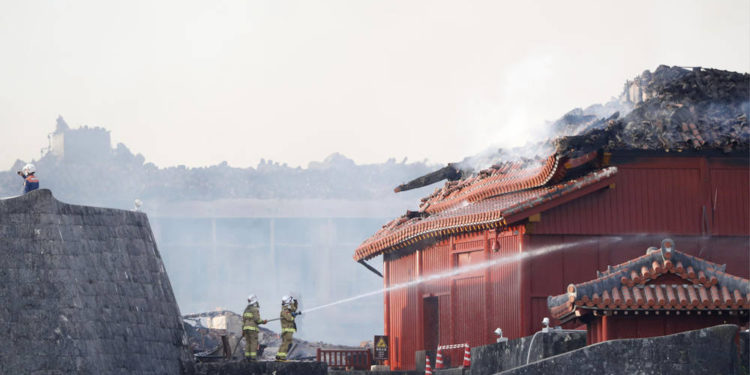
[(381, 348)]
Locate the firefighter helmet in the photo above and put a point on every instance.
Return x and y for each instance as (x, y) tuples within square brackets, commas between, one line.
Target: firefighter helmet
[(29, 168), (252, 299)]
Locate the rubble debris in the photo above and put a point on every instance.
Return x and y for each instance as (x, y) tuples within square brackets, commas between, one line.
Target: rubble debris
[(678, 110)]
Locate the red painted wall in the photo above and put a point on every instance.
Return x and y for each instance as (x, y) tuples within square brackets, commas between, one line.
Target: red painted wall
[(469, 305), (402, 311), (605, 328), (670, 195)]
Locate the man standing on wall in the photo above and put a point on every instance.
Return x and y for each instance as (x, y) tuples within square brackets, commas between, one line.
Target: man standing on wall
[(30, 181)]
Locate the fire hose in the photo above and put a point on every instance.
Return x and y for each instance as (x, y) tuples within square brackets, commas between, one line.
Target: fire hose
[(279, 318)]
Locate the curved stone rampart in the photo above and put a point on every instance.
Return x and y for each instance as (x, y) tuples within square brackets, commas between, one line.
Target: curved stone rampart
[(84, 290)]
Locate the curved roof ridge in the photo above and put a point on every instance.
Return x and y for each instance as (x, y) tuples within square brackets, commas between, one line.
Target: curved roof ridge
[(507, 178)]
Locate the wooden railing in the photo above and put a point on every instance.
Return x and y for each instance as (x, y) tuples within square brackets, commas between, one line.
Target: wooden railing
[(357, 359)]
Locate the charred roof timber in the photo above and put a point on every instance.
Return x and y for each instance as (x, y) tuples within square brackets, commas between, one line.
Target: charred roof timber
[(450, 172)]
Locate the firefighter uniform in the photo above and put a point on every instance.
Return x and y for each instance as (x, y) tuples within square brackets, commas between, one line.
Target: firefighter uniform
[(288, 327), (250, 321)]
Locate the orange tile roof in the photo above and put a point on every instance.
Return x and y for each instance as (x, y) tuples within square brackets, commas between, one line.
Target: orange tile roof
[(500, 179), (695, 284), (472, 215)]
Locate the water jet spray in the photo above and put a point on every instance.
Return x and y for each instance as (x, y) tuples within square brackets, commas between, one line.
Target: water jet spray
[(471, 268)]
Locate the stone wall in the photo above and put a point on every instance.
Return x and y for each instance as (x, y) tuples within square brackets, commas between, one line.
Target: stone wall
[(706, 351), (365, 372), (84, 291), (493, 358), (490, 359), (261, 368)]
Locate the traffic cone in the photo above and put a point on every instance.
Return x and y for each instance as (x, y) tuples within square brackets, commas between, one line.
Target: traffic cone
[(439, 360), (467, 356), (427, 367)]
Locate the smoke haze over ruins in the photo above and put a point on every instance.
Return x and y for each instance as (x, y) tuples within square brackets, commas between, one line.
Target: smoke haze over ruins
[(187, 83)]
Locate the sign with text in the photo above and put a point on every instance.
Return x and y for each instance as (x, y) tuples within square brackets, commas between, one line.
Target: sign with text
[(381, 348)]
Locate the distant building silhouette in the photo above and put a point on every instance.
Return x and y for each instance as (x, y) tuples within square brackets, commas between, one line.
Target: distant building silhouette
[(79, 145)]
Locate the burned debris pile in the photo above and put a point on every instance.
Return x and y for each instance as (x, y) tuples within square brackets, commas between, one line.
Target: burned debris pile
[(676, 110)]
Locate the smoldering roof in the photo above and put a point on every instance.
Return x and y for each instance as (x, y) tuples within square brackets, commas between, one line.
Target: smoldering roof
[(673, 109)]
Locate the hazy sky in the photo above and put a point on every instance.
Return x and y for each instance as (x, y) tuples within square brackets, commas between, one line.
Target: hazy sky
[(199, 82)]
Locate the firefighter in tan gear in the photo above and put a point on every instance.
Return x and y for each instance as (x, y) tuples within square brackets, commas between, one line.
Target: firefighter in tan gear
[(250, 321), (288, 326)]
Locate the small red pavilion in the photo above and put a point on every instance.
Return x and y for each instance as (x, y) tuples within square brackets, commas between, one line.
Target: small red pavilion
[(662, 292)]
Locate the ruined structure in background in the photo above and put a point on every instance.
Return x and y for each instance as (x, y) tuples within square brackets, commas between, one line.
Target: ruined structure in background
[(81, 145), (84, 291), (606, 187)]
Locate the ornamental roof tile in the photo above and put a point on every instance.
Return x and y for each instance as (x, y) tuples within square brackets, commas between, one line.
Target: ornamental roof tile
[(662, 279), (499, 179)]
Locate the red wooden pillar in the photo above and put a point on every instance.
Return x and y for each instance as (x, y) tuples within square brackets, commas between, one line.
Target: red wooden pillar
[(525, 279), (419, 254), (387, 307), (705, 191), (452, 297), (487, 288)]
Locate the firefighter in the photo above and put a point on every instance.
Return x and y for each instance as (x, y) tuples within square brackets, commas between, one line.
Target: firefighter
[(288, 326), (30, 181), (250, 321)]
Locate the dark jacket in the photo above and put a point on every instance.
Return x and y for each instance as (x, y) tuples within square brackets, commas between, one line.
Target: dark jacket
[(30, 183)]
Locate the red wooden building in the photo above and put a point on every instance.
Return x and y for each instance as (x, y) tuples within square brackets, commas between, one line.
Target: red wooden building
[(660, 293), (596, 200)]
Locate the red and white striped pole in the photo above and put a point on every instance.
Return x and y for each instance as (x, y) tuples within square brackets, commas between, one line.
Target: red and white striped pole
[(467, 356), (427, 367), (439, 359)]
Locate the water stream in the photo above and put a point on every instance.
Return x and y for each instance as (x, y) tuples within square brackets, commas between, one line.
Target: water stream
[(511, 258)]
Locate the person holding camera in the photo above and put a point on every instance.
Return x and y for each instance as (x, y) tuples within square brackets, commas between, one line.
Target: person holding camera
[(30, 182)]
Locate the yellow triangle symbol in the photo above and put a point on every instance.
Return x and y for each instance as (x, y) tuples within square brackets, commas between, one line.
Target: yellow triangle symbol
[(381, 343)]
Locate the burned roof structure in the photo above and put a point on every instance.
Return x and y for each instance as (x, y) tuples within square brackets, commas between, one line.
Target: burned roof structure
[(84, 291), (671, 111), (676, 110)]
